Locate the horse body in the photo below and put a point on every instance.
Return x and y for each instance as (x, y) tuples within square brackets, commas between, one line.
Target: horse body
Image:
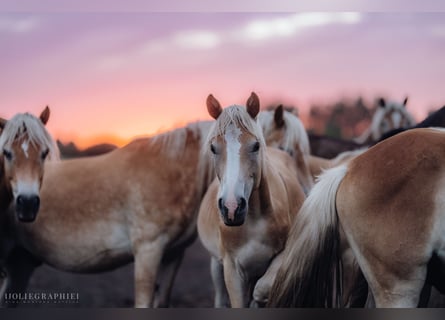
[(138, 201), (389, 202), (244, 235)]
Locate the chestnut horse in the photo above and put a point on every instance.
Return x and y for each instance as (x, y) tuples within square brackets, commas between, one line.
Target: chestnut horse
[(137, 202), (389, 202), (247, 211), (284, 130)]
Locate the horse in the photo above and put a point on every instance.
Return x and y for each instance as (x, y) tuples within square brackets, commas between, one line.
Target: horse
[(435, 119), (389, 202), (388, 116), (247, 211), (136, 203), (284, 130), (25, 145), (330, 147)]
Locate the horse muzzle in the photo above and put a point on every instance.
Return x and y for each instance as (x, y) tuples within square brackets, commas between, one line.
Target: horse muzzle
[(235, 215), (27, 207)]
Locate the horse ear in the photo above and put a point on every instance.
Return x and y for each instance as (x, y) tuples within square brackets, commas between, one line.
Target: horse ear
[(44, 116), (278, 116), (381, 102), (213, 107), (2, 123), (253, 105), (405, 101)]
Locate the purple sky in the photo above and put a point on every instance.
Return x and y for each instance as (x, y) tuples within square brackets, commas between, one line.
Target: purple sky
[(127, 74)]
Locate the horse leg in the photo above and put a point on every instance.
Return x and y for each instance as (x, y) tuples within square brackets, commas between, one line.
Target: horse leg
[(167, 274), (264, 284), (221, 294), (236, 284), (148, 256), (392, 290), (20, 266)]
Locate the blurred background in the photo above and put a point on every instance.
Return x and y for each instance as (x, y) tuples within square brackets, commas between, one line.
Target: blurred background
[(111, 76)]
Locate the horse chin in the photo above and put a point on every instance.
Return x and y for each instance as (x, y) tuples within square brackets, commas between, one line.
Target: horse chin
[(238, 221), (26, 216)]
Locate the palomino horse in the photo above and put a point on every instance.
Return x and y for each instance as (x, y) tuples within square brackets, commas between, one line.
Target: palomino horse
[(247, 211), (284, 130), (25, 145), (388, 116), (390, 203), (138, 202)]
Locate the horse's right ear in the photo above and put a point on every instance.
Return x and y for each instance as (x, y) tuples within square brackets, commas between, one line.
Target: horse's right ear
[(381, 102), (213, 107), (279, 116), (44, 116), (2, 123)]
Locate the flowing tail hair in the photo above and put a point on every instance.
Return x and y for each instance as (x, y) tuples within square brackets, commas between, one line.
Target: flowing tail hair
[(310, 275)]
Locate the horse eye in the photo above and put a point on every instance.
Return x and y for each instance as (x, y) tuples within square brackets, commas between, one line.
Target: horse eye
[(212, 149), (7, 154), (256, 147), (45, 154)]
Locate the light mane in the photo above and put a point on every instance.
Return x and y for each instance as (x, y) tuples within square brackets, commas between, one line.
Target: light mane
[(174, 141), (28, 127), (374, 129), (295, 131), (237, 115), (390, 107)]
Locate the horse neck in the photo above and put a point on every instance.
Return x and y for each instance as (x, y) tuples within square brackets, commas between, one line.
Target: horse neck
[(260, 201)]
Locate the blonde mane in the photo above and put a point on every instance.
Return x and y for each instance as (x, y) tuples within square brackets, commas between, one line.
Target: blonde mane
[(238, 115), (174, 141), (26, 125), (295, 131)]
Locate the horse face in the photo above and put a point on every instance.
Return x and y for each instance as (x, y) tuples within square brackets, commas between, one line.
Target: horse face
[(237, 162), (24, 167), (23, 160)]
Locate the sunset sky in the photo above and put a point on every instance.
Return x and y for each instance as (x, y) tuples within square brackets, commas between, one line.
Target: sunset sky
[(116, 75)]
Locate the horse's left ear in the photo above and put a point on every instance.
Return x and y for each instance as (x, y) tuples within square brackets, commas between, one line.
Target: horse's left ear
[(253, 105), (405, 101), (279, 116), (44, 116), (2, 123)]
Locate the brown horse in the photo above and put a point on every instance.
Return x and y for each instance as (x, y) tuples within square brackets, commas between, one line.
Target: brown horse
[(284, 130), (247, 211), (389, 202), (138, 202)]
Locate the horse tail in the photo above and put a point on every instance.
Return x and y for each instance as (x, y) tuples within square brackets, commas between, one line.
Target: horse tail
[(310, 275)]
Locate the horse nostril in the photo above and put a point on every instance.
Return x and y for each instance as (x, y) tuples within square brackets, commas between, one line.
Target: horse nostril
[(222, 207), (35, 201), (20, 201), (242, 204)]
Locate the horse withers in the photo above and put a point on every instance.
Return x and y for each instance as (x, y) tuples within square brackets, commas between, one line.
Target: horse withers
[(247, 211)]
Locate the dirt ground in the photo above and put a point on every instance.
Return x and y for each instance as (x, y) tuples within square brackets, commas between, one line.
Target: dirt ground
[(193, 285)]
